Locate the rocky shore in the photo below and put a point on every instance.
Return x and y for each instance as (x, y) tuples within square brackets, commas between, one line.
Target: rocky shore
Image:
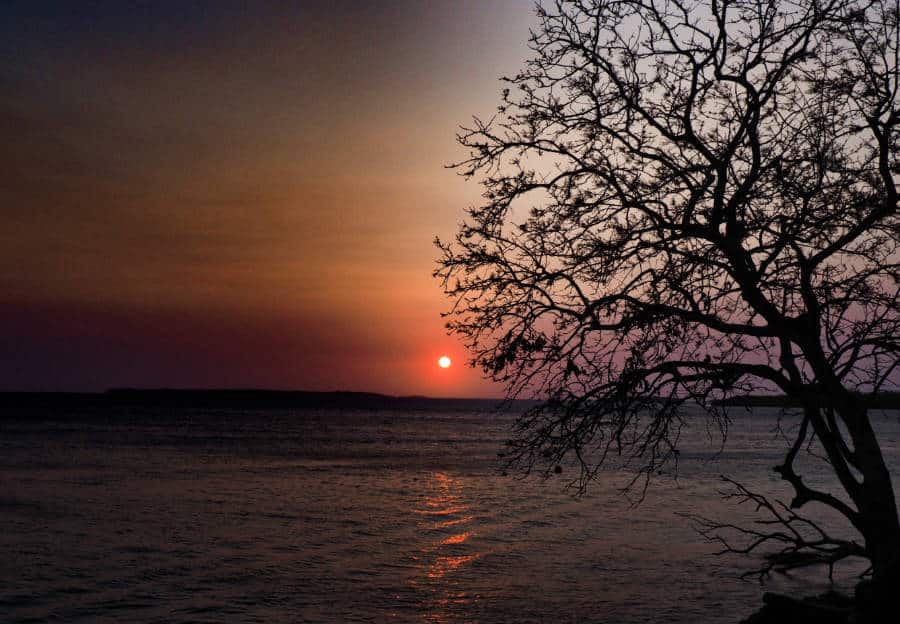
[(828, 608)]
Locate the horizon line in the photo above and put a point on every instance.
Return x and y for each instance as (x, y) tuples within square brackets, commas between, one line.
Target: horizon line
[(238, 389)]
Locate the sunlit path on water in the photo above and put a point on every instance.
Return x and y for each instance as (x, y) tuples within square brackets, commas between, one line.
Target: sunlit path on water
[(446, 518)]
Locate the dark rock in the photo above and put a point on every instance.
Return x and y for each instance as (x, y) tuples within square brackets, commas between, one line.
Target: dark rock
[(876, 604), (830, 608)]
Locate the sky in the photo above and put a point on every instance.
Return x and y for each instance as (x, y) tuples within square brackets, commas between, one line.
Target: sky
[(238, 194)]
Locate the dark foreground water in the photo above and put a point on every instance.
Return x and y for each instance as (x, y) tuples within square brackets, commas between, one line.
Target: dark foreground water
[(355, 516)]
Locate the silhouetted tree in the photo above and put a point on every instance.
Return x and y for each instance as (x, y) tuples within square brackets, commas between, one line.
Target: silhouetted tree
[(686, 201)]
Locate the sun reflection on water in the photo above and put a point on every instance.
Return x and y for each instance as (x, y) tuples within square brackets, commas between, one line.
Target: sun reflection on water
[(457, 539), (446, 515), (445, 565)]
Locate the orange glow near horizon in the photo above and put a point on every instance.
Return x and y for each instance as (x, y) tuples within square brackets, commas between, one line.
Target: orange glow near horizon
[(265, 234)]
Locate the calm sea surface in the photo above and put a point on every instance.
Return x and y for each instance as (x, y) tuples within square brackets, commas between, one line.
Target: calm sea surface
[(358, 516)]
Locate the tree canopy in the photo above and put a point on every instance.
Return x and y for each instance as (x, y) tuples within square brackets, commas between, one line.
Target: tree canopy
[(687, 200)]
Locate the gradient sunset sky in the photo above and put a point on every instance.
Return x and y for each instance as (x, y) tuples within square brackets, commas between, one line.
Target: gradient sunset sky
[(238, 194)]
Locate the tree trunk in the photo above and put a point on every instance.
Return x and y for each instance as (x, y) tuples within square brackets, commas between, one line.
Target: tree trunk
[(880, 525)]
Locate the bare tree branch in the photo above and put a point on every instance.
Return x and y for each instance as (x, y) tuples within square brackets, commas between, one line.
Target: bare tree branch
[(685, 201)]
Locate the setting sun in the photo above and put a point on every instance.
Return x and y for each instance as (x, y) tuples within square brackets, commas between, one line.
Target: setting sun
[(444, 362)]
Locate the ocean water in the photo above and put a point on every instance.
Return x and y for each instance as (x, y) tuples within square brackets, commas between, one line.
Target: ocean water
[(182, 515)]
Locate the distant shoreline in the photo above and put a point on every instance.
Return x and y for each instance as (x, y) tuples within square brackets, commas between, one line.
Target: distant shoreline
[(302, 399), (237, 398), (885, 400)]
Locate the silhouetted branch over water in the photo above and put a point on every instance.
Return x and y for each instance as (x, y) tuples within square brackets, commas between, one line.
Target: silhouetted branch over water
[(693, 201)]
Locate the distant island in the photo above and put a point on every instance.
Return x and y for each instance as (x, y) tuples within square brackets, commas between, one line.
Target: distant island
[(235, 398), (302, 399), (883, 400)]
